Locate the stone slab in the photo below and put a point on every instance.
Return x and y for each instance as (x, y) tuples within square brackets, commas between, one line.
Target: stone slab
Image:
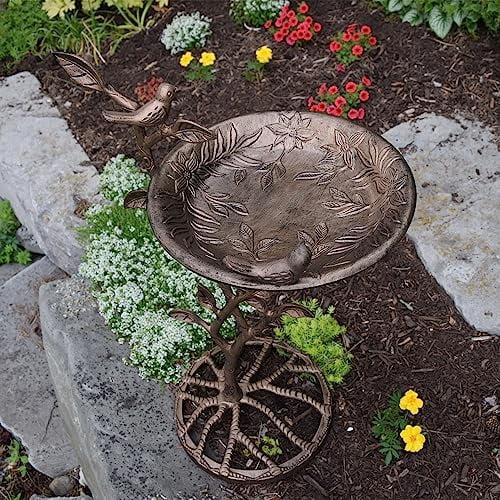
[(44, 172), (121, 426), (456, 228), (28, 407), (7, 271)]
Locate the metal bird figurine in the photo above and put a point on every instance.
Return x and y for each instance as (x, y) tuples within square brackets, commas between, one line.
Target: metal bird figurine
[(151, 114), (285, 271)]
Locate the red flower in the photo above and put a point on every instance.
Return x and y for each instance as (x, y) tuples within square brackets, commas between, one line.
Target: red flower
[(372, 41), (351, 28), (314, 107), (308, 20), (290, 14), (317, 27), (340, 67), (268, 24), (322, 89), (290, 40), (361, 113), (303, 8), (321, 106), (366, 81), (307, 35), (346, 36), (350, 87), (278, 23), (330, 109), (352, 114), (356, 37), (366, 30), (337, 111), (286, 25), (333, 89), (310, 101), (335, 46), (278, 36), (357, 50), (300, 34), (364, 95), (294, 22), (340, 101), (293, 36)]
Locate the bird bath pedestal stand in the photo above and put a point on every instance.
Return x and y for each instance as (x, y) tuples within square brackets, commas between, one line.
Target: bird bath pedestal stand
[(262, 204)]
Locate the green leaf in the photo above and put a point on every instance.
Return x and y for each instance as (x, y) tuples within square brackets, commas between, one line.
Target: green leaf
[(439, 22), (413, 17), (395, 5), (458, 17)]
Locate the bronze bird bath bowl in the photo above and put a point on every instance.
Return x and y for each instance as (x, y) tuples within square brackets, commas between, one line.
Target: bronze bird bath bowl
[(262, 204)]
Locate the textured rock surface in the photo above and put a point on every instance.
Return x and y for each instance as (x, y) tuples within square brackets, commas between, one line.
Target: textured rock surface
[(27, 239), (7, 271), (81, 497), (456, 228), (121, 426), (44, 172), (28, 406)]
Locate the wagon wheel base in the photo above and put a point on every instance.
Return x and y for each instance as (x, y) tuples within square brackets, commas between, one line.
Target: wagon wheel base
[(221, 436)]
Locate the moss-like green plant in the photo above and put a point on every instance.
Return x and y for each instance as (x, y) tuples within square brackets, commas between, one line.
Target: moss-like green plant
[(10, 251), (316, 337)]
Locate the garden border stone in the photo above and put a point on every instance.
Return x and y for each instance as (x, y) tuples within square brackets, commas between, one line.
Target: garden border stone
[(121, 426), (455, 229)]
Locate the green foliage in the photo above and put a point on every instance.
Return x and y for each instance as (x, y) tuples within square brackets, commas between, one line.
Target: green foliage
[(10, 251), (254, 12), (186, 31), (16, 458), (254, 71), (270, 446), (442, 15), (316, 337), (386, 426)]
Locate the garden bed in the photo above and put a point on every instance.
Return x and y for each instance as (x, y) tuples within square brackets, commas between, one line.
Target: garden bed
[(403, 330)]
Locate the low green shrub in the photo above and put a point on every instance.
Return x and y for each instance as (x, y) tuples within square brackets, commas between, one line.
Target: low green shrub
[(186, 31), (10, 251), (136, 283), (442, 15), (255, 12), (316, 337)]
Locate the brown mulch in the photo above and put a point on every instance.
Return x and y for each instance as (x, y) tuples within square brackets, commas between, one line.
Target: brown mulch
[(403, 329)]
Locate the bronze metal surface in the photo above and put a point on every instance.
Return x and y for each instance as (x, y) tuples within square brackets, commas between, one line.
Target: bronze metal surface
[(281, 201)]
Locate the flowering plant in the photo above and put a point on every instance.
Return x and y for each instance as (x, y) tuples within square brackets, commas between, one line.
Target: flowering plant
[(411, 402), (341, 102), (146, 90), (254, 71), (255, 12), (349, 45), (199, 69), (186, 31), (294, 27)]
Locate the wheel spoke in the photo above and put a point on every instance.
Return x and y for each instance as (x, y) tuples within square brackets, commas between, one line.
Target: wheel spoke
[(257, 363), (280, 424), (213, 384), (233, 431), (252, 448), (206, 430), (210, 362), (273, 376), (198, 411)]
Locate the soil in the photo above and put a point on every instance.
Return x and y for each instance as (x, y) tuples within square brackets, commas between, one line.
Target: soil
[(403, 330)]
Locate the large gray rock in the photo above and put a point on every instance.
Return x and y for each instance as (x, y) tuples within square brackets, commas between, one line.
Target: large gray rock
[(7, 271), (121, 426), (80, 497), (28, 407), (44, 172), (456, 228)]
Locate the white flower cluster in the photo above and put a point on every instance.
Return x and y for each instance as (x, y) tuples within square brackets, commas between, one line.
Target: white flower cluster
[(255, 12), (136, 284), (186, 31), (119, 177)]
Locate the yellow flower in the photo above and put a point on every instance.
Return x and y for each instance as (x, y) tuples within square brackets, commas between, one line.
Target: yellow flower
[(163, 3), (186, 59), (413, 438), (264, 54), (207, 58), (411, 402), (57, 7)]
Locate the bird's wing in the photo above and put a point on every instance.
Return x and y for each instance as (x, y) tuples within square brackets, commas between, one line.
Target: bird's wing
[(239, 265)]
